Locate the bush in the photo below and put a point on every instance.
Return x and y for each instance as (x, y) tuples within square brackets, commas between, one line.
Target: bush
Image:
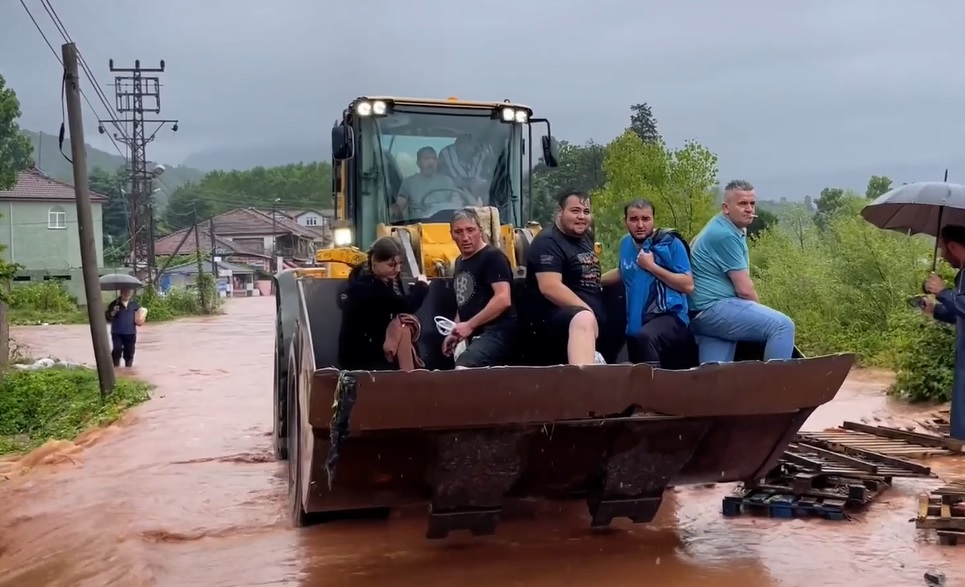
[(847, 287), (49, 302), (44, 302), (925, 362), (182, 301), (58, 403)]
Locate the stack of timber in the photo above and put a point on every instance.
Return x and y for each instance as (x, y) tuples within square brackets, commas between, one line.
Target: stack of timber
[(835, 473), (881, 443), (938, 423)]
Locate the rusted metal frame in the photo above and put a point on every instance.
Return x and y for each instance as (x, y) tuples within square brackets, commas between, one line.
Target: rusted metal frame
[(600, 421), (865, 454), (908, 436)]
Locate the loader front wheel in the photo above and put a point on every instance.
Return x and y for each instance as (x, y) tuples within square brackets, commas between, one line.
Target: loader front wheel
[(295, 502), (279, 412)]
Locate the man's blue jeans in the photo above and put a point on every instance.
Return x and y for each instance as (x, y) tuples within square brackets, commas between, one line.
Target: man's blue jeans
[(720, 327)]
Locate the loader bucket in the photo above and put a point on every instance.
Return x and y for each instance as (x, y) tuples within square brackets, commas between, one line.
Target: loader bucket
[(469, 442)]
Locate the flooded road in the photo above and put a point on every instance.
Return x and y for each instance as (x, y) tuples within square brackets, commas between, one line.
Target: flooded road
[(184, 491)]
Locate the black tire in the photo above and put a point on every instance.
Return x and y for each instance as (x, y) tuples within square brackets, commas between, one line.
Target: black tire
[(279, 409), (296, 505)]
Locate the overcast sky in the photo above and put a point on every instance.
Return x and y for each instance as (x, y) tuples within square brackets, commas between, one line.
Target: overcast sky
[(775, 88)]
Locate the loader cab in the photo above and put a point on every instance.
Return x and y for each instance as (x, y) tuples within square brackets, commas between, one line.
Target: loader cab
[(472, 153)]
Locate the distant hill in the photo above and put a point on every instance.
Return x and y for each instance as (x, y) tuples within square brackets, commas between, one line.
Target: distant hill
[(48, 157), (245, 157)]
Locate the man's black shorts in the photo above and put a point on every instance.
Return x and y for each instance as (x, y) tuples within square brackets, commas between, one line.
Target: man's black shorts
[(556, 334), (489, 349)]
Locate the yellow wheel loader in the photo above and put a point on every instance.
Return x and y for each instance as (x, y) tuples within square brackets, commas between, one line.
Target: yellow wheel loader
[(467, 443)]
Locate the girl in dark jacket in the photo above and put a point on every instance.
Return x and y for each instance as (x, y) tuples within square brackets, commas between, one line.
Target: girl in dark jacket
[(373, 297)]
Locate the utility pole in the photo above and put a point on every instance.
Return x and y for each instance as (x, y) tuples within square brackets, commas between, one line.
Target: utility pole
[(274, 231), (135, 94), (197, 252), (214, 262), (214, 247), (88, 249)]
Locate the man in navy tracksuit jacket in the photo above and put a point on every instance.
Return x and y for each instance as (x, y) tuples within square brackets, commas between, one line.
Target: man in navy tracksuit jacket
[(122, 314)]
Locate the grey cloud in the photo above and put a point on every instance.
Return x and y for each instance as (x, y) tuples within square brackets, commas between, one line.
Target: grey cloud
[(799, 91)]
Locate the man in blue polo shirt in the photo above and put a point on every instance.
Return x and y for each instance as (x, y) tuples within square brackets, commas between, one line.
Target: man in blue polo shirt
[(654, 267), (724, 298)]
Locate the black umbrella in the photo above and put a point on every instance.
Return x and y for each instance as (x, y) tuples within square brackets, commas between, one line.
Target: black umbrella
[(115, 281), (919, 208)]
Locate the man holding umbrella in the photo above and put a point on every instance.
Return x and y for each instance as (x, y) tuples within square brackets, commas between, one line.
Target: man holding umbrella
[(937, 209), (949, 306), (124, 315)]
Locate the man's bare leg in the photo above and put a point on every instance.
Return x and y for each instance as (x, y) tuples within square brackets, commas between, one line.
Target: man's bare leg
[(581, 346)]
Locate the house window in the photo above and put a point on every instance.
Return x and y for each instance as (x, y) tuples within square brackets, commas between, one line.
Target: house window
[(56, 218), (311, 221)]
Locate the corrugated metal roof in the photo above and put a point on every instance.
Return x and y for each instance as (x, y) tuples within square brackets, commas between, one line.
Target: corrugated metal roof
[(35, 185)]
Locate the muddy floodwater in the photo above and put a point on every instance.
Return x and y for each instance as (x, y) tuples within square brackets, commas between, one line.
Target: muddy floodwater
[(183, 491)]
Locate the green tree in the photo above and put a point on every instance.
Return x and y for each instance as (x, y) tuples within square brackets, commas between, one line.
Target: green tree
[(679, 182), (765, 220), (877, 185), (298, 185), (832, 203), (112, 185), (116, 230), (15, 149), (580, 168), (643, 123), (14, 157)]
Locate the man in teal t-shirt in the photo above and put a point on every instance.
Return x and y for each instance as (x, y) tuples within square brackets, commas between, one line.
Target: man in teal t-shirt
[(724, 298)]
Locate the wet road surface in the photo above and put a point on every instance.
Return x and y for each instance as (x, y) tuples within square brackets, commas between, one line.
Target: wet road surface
[(183, 491)]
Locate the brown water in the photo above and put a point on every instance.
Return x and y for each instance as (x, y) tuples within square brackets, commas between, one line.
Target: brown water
[(184, 492)]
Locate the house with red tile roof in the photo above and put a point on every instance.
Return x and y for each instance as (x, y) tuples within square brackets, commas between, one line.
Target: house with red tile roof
[(249, 236), (38, 224)]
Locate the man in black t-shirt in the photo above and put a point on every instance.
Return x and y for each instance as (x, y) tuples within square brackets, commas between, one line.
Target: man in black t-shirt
[(485, 318), (563, 279)]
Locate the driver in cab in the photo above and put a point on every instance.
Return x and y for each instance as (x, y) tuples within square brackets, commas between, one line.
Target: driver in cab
[(466, 161), (426, 189)]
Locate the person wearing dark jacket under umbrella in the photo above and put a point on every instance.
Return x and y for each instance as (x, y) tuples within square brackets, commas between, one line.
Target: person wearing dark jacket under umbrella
[(124, 315), (373, 298)]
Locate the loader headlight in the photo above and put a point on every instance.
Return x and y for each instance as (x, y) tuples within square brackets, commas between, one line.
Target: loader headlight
[(342, 236), (517, 115), (376, 108)]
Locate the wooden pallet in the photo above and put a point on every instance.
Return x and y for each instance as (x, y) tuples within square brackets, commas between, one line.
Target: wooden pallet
[(790, 491), (770, 505), (944, 512), (883, 445), (821, 457)]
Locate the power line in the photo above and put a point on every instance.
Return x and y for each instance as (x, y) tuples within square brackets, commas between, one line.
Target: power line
[(57, 57), (59, 25)]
